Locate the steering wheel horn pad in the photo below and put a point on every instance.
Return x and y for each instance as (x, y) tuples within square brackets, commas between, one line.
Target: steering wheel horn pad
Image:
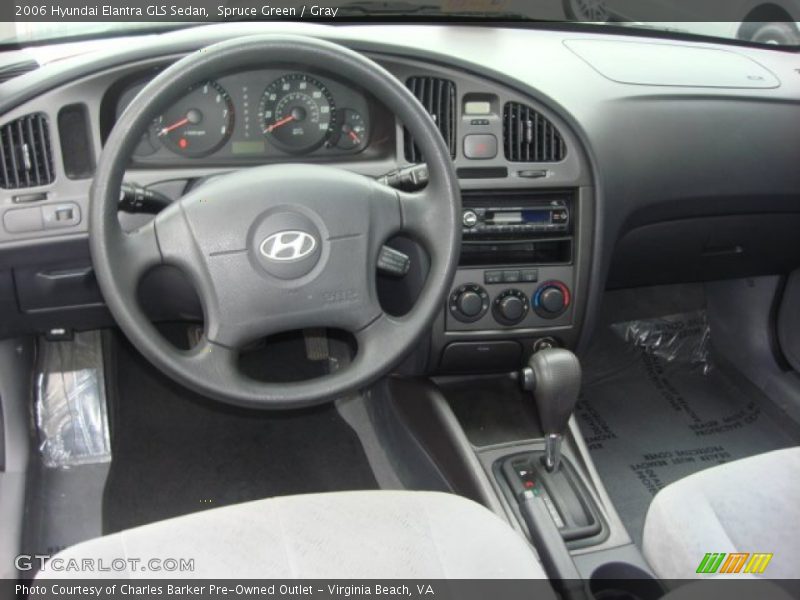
[(336, 222), (279, 247)]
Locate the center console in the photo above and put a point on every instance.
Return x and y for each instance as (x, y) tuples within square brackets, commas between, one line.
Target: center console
[(516, 257), (518, 286)]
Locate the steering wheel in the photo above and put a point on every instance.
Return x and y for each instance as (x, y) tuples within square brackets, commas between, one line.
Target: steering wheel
[(276, 248)]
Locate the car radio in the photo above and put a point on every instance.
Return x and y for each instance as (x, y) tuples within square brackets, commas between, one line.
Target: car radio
[(492, 222)]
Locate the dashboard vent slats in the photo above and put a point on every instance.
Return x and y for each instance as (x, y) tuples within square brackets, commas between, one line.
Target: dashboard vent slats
[(438, 96), (26, 159), (528, 136)]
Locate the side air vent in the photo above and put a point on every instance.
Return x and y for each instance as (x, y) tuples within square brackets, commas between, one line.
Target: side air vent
[(438, 96), (529, 137), (26, 159)]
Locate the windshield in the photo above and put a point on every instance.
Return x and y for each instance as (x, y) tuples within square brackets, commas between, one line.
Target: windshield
[(29, 32), (764, 22)]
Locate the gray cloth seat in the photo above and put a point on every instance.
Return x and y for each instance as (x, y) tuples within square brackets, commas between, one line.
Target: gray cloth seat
[(750, 505), (376, 534)]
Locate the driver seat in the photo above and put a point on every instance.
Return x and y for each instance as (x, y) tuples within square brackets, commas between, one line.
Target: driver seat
[(341, 535)]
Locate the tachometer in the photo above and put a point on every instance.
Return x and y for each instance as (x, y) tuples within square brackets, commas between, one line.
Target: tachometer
[(199, 123), (297, 113)]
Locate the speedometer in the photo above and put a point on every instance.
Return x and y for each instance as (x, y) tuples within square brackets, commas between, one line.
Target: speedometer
[(297, 113)]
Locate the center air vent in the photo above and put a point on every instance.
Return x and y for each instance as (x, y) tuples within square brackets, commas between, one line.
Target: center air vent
[(529, 137), (438, 96), (25, 156)]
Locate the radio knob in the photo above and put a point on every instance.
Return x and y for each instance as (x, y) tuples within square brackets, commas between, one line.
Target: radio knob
[(551, 299), (470, 218), (510, 307)]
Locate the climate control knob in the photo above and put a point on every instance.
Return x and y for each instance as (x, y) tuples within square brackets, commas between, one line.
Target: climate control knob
[(551, 299), (469, 302), (510, 307)]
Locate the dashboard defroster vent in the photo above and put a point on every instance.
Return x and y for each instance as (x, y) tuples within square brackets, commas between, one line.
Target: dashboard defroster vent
[(8, 72), (438, 96), (26, 159), (528, 136)]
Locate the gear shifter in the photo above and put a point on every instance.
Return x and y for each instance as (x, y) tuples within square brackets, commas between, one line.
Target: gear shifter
[(554, 377)]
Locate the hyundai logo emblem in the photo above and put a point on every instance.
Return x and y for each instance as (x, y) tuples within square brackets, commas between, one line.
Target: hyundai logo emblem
[(288, 245)]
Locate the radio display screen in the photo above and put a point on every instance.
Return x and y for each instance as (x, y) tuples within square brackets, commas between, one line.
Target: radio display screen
[(507, 217)]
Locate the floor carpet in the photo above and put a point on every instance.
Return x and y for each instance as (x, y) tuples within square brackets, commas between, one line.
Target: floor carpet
[(175, 452)]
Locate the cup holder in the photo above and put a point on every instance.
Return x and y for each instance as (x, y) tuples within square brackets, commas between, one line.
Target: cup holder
[(623, 581)]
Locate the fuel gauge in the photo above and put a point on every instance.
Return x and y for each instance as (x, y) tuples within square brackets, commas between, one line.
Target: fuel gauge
[(352, 130)]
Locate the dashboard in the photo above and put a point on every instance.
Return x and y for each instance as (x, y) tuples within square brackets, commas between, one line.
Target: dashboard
[(254, 116), (653, 167)]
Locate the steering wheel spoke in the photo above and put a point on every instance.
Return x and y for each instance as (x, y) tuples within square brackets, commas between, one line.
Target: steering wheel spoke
[(212, 359), (179, 249), (375, 334), (423, 217), (138, 253)]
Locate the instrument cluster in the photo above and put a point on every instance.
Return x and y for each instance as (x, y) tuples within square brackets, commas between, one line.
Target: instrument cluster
[(253, 115)]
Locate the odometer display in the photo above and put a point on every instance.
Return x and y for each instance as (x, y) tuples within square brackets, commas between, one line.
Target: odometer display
[(297, 113)]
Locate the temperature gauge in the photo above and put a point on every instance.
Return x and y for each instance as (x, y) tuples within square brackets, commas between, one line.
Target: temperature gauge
[(352, 130)]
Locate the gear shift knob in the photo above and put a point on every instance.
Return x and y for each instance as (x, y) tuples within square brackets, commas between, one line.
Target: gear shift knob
[(554, 377)]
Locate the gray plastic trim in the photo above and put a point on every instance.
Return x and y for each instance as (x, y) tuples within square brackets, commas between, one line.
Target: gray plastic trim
[(16, 367), (740, 314), (789, 321)]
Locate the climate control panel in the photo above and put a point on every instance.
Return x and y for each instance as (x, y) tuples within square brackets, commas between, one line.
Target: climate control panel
[(514, 298)]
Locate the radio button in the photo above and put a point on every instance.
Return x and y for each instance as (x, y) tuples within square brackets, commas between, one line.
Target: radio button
[(511, 276), (530, 275)]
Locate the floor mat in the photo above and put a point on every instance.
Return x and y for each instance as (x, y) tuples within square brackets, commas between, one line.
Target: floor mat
[(175, 452), (649, 422)]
